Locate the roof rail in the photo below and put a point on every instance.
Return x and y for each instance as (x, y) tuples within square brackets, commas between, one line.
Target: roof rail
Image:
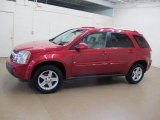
[(135, 31), (121, 29), (87, 27)]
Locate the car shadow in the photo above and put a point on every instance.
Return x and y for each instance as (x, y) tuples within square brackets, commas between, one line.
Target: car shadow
[(13, 85), (86, 82)]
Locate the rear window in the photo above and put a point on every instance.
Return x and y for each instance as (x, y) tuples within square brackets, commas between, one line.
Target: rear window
[(141, 41)]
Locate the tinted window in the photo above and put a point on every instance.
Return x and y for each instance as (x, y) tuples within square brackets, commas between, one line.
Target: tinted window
[(141, 41), (95, 40), (120, 40)]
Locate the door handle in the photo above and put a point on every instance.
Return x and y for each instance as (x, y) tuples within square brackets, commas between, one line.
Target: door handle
[(104, 53), (131, 51)]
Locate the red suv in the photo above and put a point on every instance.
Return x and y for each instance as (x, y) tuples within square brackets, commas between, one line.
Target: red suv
[(81, 52)]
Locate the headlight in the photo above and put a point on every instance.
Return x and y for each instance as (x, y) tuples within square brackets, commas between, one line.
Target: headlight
[(22, 57)]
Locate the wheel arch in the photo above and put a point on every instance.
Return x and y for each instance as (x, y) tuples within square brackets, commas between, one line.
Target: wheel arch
[(142, 62), (55, 63)]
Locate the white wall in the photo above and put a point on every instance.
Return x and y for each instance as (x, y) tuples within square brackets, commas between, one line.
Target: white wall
[(146, 20), (45, 21)]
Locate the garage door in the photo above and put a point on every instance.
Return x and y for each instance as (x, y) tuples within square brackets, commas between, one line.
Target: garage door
[(6, 33)]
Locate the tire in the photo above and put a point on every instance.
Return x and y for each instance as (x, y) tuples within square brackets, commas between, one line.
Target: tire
[(135, 74), (48, 79)]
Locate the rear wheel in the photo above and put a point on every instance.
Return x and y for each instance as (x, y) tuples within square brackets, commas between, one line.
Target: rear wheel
[(48, 79), (135, 74)]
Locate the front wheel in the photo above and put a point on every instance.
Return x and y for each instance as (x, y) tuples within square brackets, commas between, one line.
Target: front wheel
[(48, 79), (135, 74)]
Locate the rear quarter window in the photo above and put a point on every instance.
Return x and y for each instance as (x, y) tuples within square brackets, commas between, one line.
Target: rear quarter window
[(141, 41)]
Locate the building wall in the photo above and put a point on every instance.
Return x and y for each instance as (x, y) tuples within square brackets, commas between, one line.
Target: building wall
[(144, 19), (33, 21)]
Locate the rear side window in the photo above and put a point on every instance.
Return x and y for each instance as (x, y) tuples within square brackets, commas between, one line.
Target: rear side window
[(120, 40), (141, 41)]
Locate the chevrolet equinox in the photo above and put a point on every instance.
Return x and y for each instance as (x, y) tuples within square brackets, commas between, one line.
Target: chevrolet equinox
[(80, 52)]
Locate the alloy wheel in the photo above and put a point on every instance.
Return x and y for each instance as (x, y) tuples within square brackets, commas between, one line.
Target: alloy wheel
[(48, 80)]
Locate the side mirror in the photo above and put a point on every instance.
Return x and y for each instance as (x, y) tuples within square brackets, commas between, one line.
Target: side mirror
[(81, 45)]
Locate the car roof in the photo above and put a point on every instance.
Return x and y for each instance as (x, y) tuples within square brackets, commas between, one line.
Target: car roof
[(111, 30)]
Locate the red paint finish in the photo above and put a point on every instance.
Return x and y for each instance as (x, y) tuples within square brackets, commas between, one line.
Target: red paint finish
[(78, 59)]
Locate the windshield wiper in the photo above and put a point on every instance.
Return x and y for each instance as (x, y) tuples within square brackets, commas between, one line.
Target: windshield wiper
[(52, 41), (62, 43)]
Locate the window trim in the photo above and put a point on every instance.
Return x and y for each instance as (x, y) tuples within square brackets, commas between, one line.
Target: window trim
[(73, 47)]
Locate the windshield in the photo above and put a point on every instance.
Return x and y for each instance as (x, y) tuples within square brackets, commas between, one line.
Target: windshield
[(66, 37)]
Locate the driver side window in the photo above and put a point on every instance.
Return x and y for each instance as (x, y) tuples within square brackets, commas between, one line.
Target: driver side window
[(95, 40)]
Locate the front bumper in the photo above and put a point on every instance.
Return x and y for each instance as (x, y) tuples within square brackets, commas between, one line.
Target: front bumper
[(17, 70), (9, 68)]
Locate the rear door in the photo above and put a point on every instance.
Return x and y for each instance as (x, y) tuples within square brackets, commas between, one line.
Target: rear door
[(121, 52), (93, 60)]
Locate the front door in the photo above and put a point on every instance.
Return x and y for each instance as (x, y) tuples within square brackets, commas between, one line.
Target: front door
[(93, 60)]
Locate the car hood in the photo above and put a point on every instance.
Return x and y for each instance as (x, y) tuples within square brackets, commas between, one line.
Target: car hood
[(38, 46)]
